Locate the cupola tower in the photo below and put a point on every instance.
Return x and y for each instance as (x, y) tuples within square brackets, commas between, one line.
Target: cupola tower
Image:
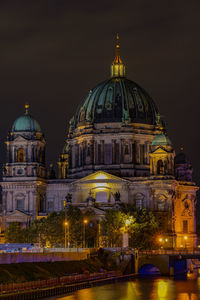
[(24, 173)]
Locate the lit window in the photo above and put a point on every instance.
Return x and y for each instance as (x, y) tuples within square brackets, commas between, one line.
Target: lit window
[(185, 226), (101, 197), (20, 155)]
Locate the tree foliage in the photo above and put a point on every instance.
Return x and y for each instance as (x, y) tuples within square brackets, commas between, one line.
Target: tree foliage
[(142, 226)]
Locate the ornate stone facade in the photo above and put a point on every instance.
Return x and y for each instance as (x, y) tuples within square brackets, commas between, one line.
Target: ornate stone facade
[(24, 183), (117, 151)]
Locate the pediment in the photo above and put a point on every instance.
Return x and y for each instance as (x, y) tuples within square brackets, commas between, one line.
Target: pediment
[(17, 216), (20, 138), (160, 150), (100, 176), (96, 211), (17, 213)]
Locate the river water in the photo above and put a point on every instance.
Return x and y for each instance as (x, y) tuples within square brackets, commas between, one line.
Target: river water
[(141, 289)]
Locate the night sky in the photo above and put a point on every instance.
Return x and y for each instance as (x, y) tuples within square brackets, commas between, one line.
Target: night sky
[(53, 52)]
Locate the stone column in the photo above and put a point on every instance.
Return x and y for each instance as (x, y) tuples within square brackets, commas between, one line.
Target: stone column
[(137, 149), (145, 152), (102, 152), (92, 152), (130, 150), (31, 202), (8, 153), (9, 201), (95, 153), (113, 151), (121, 151), (4, 198), (148, 149), (12, 154), (26, 200), (73, 155)]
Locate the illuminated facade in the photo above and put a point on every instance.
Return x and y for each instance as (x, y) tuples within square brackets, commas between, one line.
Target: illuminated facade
[(117, 151)]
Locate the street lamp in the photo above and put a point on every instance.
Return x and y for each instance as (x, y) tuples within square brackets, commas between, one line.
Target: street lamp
[(125, 237), (185, 238), (66, 234), (85, 221)]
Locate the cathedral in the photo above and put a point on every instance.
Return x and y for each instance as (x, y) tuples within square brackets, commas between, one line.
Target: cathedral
[(117, 151)]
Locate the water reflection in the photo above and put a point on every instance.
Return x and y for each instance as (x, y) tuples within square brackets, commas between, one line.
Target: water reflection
[(141, 289), (162, 287)]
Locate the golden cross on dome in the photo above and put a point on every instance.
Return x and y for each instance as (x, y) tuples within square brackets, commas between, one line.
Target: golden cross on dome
[(117, 45), (26, 107)]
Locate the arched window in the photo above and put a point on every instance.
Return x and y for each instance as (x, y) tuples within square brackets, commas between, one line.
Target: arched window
[(126, 149), (166, 166), (20, 155), (20, 201), (88, 150), (139, 200), (160, 167)]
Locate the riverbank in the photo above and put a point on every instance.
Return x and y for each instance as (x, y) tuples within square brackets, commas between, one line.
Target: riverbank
[(23, 272), (59, 287)]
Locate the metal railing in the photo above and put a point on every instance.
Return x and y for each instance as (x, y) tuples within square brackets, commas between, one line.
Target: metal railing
[(170, 252), (65, 280)]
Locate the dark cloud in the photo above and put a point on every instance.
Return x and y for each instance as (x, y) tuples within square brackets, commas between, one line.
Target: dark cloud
[(53, 52)]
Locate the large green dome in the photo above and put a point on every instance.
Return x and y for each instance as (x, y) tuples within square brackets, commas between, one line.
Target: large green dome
[(26, 123), (117, 99)]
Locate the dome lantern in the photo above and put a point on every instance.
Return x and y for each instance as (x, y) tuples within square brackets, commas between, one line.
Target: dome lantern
[(117, 67)]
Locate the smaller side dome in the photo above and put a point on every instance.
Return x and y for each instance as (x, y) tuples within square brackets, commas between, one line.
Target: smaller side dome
[(26, 123), (182, 167), (181, 158), (161, 140)]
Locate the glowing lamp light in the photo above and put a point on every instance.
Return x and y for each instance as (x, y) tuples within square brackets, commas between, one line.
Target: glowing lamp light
[(66, 223), (100, 186), (128, 221), (85, 221), (160, 240), (185, 237), (166, 240), (101, 176)]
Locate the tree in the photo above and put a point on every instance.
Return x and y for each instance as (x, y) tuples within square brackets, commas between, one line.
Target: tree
[(141, 225), (144, 230), (14, 234), (113, 225), (91, 229), (75, 218)]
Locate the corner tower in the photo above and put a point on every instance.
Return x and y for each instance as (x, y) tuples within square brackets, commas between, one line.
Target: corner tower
[(24, 173)]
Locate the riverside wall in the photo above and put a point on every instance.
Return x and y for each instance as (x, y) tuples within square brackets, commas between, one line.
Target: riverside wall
[(15, 258)]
